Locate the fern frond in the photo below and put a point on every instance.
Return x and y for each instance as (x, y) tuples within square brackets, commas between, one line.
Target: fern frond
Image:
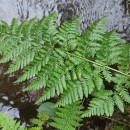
[(124, 94), (125, 58), (39, 121), (31, 26), (57, 80), (102, 104), (107, 75), (24, 57), (92, 37), (7, 47), (20, 30), (73, 93), (76, 89), (68, 117), (8, 123), (69, 34), (14, 26), (4, 39), (71, 89), (49, 38), (119, 102), (109, 52), (69, 64), (4, 27)]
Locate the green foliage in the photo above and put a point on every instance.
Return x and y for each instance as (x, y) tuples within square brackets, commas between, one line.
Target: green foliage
[(118, 128), (69, 64), (102, 104), (39, 121), (8, 123), (48, 109), (68, 117)]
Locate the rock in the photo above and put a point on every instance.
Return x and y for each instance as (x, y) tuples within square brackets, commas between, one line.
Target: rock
[(5, 98), (9, 110)]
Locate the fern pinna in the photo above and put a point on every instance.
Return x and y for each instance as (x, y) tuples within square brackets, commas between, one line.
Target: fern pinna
[(69, 64)]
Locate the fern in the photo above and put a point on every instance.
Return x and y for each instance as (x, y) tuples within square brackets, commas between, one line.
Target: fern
[(68, 117), (125, 59), (92, 37), (119, 102), (7, 123), (109, 52), (102, 104), (69, 64), (39, 121)]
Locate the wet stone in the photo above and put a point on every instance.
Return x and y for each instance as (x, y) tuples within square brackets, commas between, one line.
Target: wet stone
[(13, 101)]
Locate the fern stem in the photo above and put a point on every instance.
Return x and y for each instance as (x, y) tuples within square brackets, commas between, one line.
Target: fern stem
[(93, 62)]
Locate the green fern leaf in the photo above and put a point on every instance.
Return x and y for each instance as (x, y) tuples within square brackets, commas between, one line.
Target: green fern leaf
[(68, 117), (7, 123), (110, 49), (4, 27), (119, 102), (14, 26), (69, 64), (93, 36), (102, 104)]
